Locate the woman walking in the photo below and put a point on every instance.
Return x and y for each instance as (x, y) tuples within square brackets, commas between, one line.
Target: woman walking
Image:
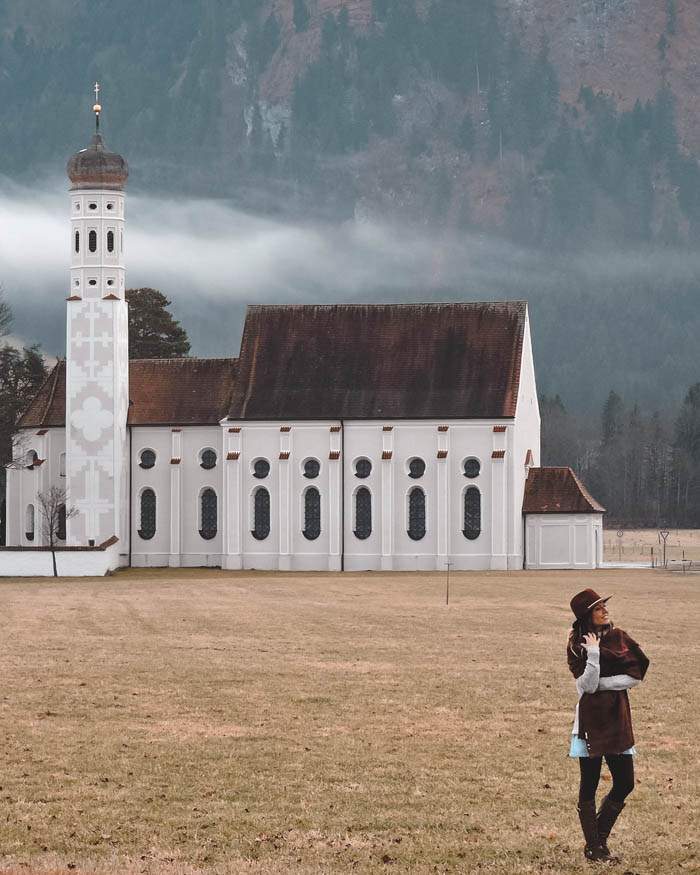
[(606, 663)]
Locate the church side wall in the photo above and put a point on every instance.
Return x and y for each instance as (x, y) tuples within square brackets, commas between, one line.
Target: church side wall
[(443, 447), (280, 535)]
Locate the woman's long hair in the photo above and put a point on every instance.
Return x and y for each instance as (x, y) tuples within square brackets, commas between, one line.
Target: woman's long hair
[(579, 628)]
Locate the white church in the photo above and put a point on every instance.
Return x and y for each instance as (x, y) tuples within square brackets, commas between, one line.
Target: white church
[(343, 437)]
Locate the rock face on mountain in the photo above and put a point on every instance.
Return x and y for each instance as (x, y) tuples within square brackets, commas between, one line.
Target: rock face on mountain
[(469, 112)]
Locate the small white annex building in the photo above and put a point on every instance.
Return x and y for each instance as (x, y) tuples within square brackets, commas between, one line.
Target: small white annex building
[(343, 437)]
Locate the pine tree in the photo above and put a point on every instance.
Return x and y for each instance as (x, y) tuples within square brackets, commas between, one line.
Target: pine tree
[(301, 16), (153, 332)]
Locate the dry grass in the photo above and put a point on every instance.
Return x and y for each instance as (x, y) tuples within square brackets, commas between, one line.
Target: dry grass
[(205, 722), (635, 545)]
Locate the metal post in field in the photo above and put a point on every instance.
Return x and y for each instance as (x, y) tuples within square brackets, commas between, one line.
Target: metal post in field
[(620, 535), (447, 593), (664, 535)]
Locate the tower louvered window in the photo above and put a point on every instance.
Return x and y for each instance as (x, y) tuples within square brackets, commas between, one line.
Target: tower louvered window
[(261, 514), (61, 527), (312, 514), (472, 513), (416, 514), (77, 241), (92, 241), (209, 514), (363, 513), (110, 241), (148, 515)]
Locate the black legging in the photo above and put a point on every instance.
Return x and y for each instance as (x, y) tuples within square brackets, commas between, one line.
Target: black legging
[(621, 767)]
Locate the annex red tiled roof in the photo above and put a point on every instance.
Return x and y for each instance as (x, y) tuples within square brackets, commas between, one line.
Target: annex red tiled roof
[(557, 490), (182, 391), (380, 361)]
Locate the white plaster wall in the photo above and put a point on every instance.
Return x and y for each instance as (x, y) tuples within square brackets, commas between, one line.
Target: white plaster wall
[(69, 563), (25, 484), (564, 540), (444, 483), (155, 551), (526, 436)]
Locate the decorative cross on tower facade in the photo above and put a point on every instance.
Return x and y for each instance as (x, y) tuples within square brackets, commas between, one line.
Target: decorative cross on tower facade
[(97, 355)]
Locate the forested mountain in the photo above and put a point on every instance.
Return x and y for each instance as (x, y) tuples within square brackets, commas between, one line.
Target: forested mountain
[(567, 129)]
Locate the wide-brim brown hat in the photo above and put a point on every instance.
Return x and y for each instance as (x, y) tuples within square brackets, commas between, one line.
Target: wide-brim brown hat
[(585, 601)]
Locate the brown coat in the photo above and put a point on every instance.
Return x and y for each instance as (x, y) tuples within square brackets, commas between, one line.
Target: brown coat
[(604, 717)]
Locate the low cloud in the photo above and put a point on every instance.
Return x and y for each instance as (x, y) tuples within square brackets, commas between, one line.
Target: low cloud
[(599, 319)]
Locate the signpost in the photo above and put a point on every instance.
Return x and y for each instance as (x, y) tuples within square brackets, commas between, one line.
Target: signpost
[(447, 594), (620, 535)]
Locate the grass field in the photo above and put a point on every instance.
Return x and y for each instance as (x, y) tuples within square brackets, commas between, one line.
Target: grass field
[(209, 722), (635, 545)]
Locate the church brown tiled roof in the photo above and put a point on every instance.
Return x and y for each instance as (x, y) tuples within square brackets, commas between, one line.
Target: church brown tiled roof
[(380, 361), (182, 391), (557, 490)]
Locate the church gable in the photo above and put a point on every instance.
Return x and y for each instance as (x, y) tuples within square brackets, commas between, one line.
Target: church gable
[(380, 361)]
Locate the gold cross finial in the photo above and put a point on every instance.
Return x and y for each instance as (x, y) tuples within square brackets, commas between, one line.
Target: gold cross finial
[(97, 109)]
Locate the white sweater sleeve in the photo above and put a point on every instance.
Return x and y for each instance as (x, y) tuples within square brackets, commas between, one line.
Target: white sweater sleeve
[(588, 681), (618, 682)]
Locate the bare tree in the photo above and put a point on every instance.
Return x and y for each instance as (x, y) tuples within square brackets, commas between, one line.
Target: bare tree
[(54, 515)]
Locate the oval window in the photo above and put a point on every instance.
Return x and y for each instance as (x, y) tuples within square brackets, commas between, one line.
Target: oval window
[(472, 468), (416, 468), (261, 469), (208, 459), (363, 468), (147, 459), (312, 468)]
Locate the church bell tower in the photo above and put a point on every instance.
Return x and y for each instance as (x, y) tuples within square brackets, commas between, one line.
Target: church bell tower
[(97, 346)]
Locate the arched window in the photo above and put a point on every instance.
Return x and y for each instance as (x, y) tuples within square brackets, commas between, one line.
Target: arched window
[(363, 468), (416, 514), (363, 513), (312, 468), (261, 514), (261, 469), (207, 459), (110, 241), (77, 241), (416, 468), (29, 522), (208, 514), (61, 528), (92, 241), (472, 513), (148, 515), (312, 514), (147, 459)]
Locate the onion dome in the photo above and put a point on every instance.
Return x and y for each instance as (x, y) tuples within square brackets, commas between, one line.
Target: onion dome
[(96, 167)]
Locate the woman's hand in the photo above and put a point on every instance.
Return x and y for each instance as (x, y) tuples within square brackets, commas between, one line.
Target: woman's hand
[(590, 640)]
